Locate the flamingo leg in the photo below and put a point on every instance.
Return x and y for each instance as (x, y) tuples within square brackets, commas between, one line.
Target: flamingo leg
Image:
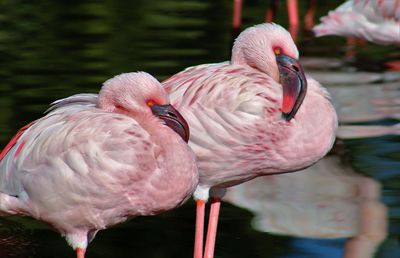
[(237, 14), (212, 228), (293, 18), (309, 17), (199, 231), (350, 52), (80, 253), (271, 11), (293, 13)]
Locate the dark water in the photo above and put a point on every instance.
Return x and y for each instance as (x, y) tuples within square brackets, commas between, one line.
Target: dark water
[(347, 205)]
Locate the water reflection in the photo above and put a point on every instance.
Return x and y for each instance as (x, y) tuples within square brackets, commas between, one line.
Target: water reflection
[(15, 240), (368, 103), (359, 100), (327, 200)]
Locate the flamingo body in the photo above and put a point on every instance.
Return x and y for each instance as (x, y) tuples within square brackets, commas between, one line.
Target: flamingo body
[(96, 160), (373, 20), (235, 111)]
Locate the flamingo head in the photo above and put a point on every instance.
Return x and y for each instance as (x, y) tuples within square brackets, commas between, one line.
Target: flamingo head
[(140, 95), (270, 49)]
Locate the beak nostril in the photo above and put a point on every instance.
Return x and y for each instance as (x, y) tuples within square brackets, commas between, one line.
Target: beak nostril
[(172, 114)]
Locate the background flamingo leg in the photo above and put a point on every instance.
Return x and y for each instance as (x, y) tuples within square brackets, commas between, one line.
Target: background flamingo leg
[(293, 14), (309, 17), (271, 11), (237, 14)]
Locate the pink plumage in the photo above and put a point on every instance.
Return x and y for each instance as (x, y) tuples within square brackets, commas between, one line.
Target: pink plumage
[(96, 160), (374, 20), (256, 115)]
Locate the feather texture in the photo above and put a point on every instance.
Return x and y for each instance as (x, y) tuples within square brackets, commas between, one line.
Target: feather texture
[(237, 128)]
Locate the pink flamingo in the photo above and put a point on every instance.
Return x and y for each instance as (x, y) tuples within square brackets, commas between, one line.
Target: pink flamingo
[(251, 117), (374, 20), (96, 160)]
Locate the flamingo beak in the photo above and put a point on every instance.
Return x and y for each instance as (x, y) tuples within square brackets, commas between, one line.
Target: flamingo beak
[(173, 119), (294, 84)]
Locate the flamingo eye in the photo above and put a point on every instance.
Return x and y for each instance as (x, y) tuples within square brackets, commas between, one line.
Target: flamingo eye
[(278, 51), (150, 103)]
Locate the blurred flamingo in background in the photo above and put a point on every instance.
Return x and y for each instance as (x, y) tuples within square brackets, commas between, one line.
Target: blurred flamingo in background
[(373, 20), (251, 117), (96, 160)]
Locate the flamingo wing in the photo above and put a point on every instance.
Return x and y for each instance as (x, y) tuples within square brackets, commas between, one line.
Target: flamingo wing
[(229, 115), (77, 156)]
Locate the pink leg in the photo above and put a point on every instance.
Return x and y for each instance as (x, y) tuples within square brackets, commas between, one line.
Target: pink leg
[(199, 231), (293, 18), (309, 18), (271, 11), (237, 14), (293, 13), (212, 228), (350, 47), (80, 253)]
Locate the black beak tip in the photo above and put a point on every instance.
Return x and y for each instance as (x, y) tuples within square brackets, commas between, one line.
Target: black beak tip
[(186, 137), (287, 116)]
